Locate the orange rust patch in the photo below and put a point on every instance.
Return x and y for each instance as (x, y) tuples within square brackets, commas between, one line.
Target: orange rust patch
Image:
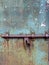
[(6, 43)]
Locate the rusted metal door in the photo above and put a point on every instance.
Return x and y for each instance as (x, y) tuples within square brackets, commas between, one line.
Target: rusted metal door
[(24, 17)]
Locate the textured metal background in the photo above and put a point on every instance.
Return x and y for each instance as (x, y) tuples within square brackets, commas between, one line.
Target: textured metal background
[(23, 17)]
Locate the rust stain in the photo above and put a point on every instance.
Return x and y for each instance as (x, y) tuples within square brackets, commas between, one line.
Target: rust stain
[(6, 43), (16, 54)]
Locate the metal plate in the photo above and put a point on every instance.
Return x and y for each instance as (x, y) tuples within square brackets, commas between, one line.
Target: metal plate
[(23, 17)]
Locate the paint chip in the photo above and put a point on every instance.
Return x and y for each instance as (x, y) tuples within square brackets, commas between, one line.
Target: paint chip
[(43, 24)]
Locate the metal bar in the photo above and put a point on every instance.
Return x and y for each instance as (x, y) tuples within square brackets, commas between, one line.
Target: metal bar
[(25, 36)]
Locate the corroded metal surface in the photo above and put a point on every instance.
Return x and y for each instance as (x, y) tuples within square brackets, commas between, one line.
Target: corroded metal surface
[(24, 17), (14, 53)]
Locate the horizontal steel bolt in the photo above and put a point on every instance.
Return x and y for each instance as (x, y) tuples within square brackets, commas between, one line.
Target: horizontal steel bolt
[(25, 36)]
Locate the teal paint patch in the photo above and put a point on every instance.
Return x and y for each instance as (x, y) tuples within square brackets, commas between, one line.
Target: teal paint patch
[(38, 54), (29, 17), (39, 57)]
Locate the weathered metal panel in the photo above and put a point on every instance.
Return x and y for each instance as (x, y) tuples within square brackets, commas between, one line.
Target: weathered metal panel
[(23, 17)]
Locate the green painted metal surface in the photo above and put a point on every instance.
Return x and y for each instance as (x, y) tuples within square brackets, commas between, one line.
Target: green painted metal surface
[(23, 17)]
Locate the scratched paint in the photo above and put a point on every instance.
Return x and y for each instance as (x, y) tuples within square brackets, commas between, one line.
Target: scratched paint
[(23, 17)]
